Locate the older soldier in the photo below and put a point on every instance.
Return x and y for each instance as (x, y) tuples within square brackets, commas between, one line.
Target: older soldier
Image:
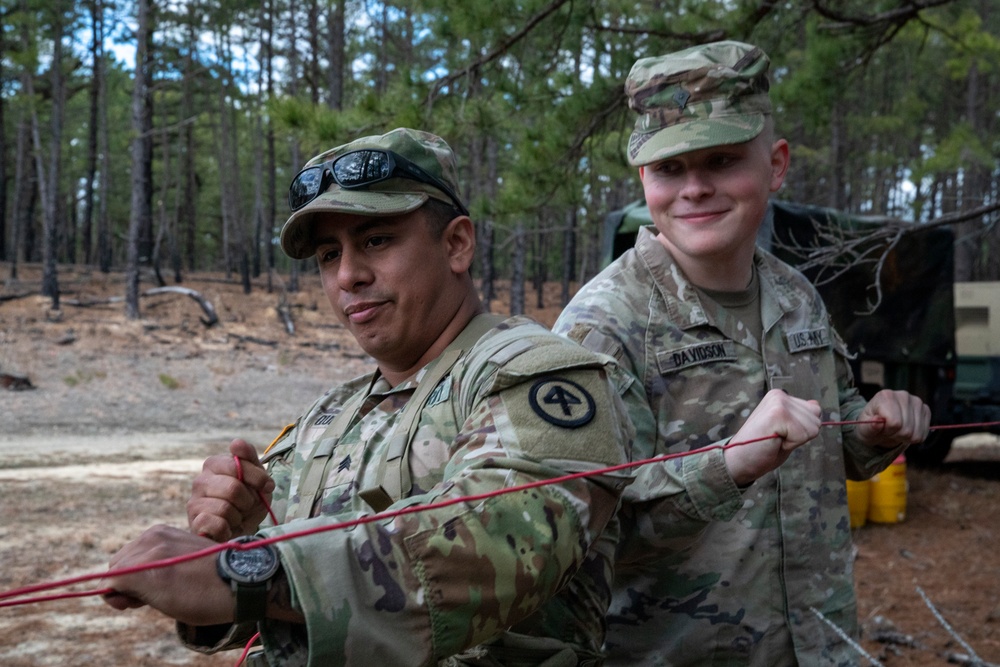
[(726, 342), (461, 404)]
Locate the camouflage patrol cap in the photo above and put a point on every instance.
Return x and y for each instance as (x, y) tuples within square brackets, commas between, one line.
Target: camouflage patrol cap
[(707, 95), (393, 196)]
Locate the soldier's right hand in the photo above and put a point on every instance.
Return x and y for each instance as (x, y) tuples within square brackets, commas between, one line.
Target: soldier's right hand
[(222, 506), (793, 420)]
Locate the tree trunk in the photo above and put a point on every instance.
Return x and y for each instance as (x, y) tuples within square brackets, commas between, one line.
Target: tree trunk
[(336, 54), (234, 226), (146, 226), (90, 175), (50, 233), (295, 149), (187, 218), (541, 270), (105, 250), (3, 155), (489, 236), (24, 188), (72, 216), (968, 250), (226, 194), (270, 211), (25, 176), (174, 225), (569, 257), (382, 69), (517, 271), (838, 140), (141, 127), (163, 224), (313, 77), (258, 196), (50, 194)]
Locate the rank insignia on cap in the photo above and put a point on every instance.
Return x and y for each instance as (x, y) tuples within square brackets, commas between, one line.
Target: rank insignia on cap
[(562, 402)]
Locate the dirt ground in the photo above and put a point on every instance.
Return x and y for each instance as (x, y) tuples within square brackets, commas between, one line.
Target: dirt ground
[(121, 413)]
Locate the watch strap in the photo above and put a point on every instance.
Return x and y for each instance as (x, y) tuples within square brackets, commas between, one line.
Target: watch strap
[(251, 602)]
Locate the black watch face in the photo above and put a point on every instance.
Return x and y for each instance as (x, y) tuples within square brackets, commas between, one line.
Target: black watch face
[(251, 565)]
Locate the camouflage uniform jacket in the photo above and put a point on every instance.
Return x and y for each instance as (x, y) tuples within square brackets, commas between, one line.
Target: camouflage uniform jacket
[(526, 573), (737, 590)]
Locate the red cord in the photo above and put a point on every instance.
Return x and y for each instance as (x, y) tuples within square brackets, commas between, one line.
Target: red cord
[(260, 494), (246, 649), (371, 518), (947, 426)]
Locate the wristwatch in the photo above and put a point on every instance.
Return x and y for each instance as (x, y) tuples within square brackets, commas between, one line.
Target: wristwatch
[(249, 572)]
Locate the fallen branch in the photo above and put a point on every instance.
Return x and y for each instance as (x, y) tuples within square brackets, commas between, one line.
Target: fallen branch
[(285, 315), (209, 321), (11, 297), (87, 303), (895, 638), (255, 340), (15, 382)]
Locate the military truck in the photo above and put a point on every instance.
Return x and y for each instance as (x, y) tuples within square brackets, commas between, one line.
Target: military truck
[(907, 341), (976, 398)]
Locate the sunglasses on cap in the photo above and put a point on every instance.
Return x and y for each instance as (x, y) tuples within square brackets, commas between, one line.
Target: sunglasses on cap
[(359, 169)]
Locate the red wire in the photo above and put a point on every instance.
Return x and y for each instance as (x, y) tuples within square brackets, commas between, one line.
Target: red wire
[(413, 509), (942, 427), (246, 649), (260, 494)]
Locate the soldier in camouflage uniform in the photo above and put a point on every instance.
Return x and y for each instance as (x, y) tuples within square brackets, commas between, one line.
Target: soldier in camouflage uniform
[(461, 404), (726, 343)]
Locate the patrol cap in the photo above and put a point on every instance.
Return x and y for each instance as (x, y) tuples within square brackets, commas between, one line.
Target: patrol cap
[(707, 95), (393, 196)]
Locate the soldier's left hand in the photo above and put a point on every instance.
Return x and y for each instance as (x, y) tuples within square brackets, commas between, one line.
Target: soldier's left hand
[(190, 592), (900, 419)]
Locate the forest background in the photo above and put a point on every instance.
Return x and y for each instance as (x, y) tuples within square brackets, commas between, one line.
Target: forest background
[(157, 139), (154, 142)]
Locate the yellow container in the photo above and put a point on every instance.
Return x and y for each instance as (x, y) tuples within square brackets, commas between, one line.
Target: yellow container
[(887, 497), (858, 498)]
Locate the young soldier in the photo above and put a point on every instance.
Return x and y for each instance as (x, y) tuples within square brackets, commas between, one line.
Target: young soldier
[(460, 404), (726, 343)]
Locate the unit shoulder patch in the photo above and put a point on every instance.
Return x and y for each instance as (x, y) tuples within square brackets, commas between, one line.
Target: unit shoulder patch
[(562, 402)]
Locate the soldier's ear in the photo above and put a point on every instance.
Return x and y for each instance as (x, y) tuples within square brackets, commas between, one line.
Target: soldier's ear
[(780, 160), (460, 240)]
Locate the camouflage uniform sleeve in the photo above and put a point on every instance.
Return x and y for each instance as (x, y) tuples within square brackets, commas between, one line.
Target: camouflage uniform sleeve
[(670, 503), (861, 461), (419, 587)]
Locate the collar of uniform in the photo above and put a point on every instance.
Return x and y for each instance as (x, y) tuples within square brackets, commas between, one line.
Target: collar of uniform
[(380, 387), (684, 307), (774, 286)]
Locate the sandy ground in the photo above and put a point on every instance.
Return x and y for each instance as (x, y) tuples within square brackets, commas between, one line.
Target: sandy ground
[(123, 413)]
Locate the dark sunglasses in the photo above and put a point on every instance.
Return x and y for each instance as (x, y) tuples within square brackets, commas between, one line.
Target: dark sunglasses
[(359, 169)]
